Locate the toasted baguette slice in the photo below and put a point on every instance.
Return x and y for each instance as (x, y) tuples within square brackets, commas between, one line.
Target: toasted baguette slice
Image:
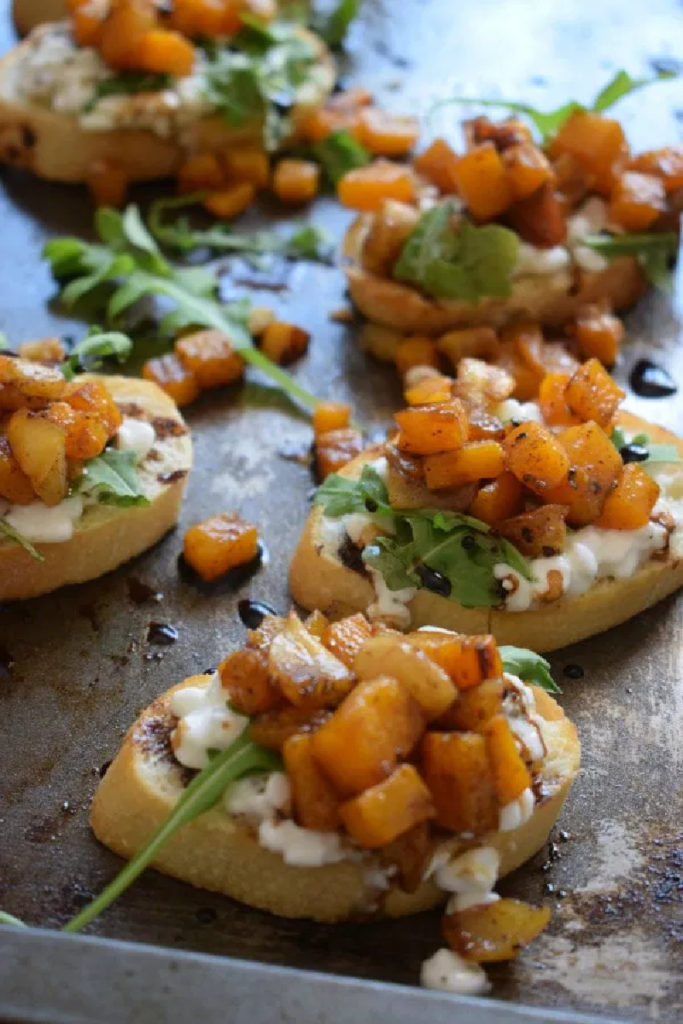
[(55, 146), (318, 579), (29, 13), (551, 299), (106, 535), (220, 852)]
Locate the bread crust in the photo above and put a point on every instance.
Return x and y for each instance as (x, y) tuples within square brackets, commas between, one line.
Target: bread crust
[(55, 146), (219, 852), (29, 13), (318, 580), (552, 299), (106, 535)]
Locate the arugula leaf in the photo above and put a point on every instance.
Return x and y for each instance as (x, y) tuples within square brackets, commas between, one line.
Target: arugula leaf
[(528, 666), (4, 341), (341, 496), (6, 918), (242, 757), (129, 83), (89, 353), (467, 262), (339, 153), (655, 252), (334, 26), (621, 85), (113, 479), (657, 453), (18, 538)]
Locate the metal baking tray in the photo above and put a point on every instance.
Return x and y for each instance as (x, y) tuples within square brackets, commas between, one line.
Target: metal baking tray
[(76, 666)]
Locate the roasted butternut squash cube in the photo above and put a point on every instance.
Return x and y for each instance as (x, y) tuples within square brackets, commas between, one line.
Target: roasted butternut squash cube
[(85, 433), (598, 335), (346, 637), (527, 168), (540, 217), (437, 163), (468, 660), (468, 342), (123, 31), (210, 18), (172, 377), (296, 181), (553, 402), (387, 233), (598, 143), (164, 51), (666, 164), (334, 449), (630, 504), (316, 805), (456, 768), (322, 122), (595, 466), (86, 24), (219, 544), (33, 379), (199, 172), (15, 486), (636, 201), (476, 460), (410, 855), (491, 932), (536, 457), (539, 533), (416, 351), (246, 163), (510, 774), (366, 188), (482, 181), (475, 708), (377, 725), (209, 355), (509, 132), (304, 670), (47, 350), (385, 811), (272, 729), (424, 430), (93, 396), (592, 394), (330, 416), (425, 680), (39, 446), (283, 342), (350, 100), (497, 500), (244, 674), (432, 390), (107, 183), (385, 134), (230, 201)]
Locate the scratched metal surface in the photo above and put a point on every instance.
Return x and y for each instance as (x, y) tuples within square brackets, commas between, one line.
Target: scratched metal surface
[(81, 666)]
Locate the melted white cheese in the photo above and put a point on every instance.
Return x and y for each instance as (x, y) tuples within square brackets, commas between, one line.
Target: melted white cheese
[(41, 523), (301, 847), (517, 812), (206, 723), (259, 797), (512, 411), (540, 262), (445, 971), (470, 877), (589, 219), (389, 606), (136, 435)]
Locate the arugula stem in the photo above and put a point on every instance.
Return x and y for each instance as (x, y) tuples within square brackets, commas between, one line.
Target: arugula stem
[(256, 358)]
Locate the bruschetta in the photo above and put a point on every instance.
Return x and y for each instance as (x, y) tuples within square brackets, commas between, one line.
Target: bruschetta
[(414, 769), (540, 522), (123, 90), (92, 473)]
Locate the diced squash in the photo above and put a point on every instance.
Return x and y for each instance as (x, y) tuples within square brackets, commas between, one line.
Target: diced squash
[(38, 445), (173, 378), (387, 233), (164, 51), (376, 726), (636, 201), (475, 708), (499, 499), (272, 729), (43, 350), (123, 31), (325, 120), (553, 402), (479, 383), (630, 504), (330, 416), (572, 179), (283, 342), (199, 172), (209, 355), (598, 335), (349, 100), (477, 342), (416, 351), (592, 394), (426, 681), (246, 163), (346, 637), (210, 18), (296, 181), (219, 544), (468, 660), (476, 460), (244, 674), (366, 188), (511, 131), (491, 932), (410, 856), (527, 169), (317, 623), (260, 639), (595, 466), (316, 804), (230, 201), (432, 428), (666, 164), (85, 434), (15, 486), (385, 134), (540, 533), (526, 378), (108, 183), (437, 163), (380, 342), (510, 774), (482, 182), (33, 379), (540, 217), (385, 811), (92, 396), (335, 448), (306, 672), (536, 457), (432, 390), (456, 768), (87, 21), (598, 143)]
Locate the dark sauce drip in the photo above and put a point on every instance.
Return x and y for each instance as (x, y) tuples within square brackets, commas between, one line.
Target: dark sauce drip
[(103, 769), (6, 665), (572, 672), (434, 581), (162, 633), (351, 555), (228, 583), (252, 613), (170, 478), (634, 453), (649, 380), (140, 592)]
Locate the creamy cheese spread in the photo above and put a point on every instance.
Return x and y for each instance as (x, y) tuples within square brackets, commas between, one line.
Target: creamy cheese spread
[(445, 971), (517, 812), (136, 435), (41, 523)]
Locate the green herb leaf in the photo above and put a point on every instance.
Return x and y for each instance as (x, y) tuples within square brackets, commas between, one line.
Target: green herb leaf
[(129, 83), (621, 85), (6, 918), (339, 153), (657, 453), (655, 252), (334, 26), (466, 262), (341, 496), (529, 667), (4, 341), (89, 353), (112, 478), (18, 538), (243, 757)]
